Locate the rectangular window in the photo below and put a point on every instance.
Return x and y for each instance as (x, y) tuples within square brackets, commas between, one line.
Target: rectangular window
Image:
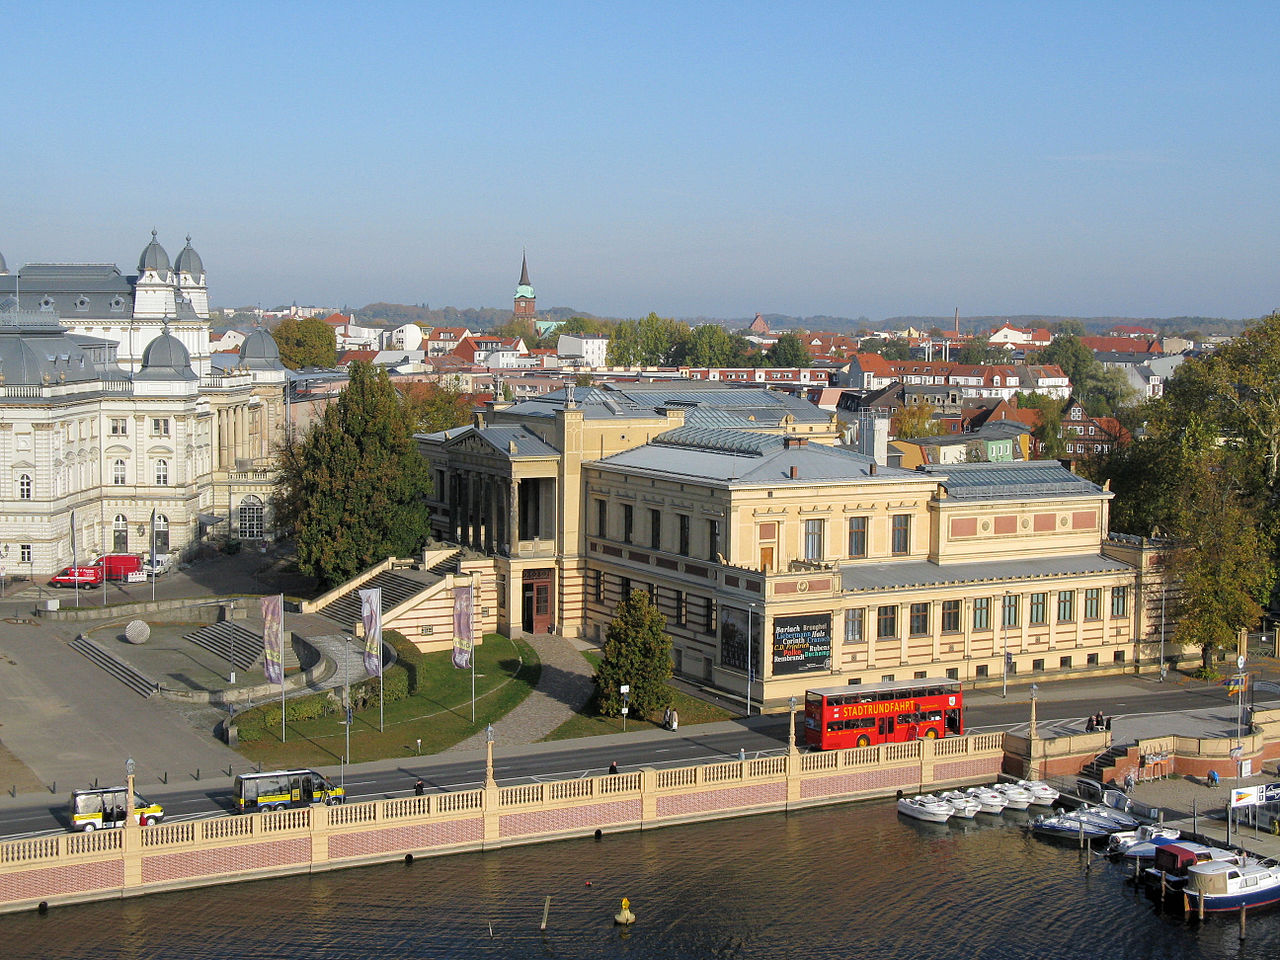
[(853, 626), (684, 534), (713, 539), (953, 673), (710, 624), (950, 616), (901, 534), (682, 609), (1037, 665), (1064, 663), (1009, 610), (159, 427), (119, 427), (857, 537), (1066, 606), (624, 584), (919, 619), (24, 551), (628, 522), (1118, 657), (655, 529), (1039, 603), (1093, 603), (1119, 601), (602, 518), (599, 586), (981, 671), (813, 540), (1091, 659), (982, 613), (887, 622)]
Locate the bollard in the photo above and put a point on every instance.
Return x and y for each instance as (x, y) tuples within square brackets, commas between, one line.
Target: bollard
[(1186, 903), (55, 787), (1242, 912), (165, 778), (197, 773), (546, 911), (1200, 908), (228, 769)]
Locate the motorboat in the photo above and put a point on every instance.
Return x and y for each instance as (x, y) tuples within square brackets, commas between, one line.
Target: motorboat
[(927, 807), (1042, 794), (1125, 821), (990, 801), (1172, 861), (964, 805), (1099, 820), (1015, 797), (1067, 826), (1140, 844), (1224, 885)]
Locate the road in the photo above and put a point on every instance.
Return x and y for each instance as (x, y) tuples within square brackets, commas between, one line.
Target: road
[(571, 759)]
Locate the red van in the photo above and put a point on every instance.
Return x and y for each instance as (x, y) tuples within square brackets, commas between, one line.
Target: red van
[(118, 566), (86, 577)]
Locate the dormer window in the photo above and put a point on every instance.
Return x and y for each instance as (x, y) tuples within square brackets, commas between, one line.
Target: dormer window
[(117, 304), (82, 303), (46, 303)]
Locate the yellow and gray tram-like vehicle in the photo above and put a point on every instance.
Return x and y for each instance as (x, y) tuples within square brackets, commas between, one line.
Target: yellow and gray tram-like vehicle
[(97, 809), (281, 789)]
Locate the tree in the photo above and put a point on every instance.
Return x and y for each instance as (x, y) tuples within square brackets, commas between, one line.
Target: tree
[(637, 651), (354, 487), (980, 350), (435, 406), (917, 420), (649, 342), (710, 345), (789, 351), (889, 349), (1048, 432), (306, 342), (517, 328), (1068, 328)]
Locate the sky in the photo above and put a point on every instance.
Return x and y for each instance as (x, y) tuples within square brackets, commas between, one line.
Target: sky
[(692, 159)]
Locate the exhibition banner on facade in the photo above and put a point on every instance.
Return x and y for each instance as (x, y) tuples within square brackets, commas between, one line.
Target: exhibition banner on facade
[(273, 638), (371, 617), (801, 643)]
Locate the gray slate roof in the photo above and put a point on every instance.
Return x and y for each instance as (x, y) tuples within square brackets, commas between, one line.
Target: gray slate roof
[(1010, 481), (33, 345), (766, 407), (905, 574), (71, 289)]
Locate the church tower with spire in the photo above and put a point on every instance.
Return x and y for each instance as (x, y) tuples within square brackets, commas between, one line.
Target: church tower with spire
[(525, 308)]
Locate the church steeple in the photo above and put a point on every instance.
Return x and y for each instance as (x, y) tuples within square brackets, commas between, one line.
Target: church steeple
[(525, 303)]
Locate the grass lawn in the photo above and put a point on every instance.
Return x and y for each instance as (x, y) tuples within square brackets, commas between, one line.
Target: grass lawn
[(591, 724), (440, 713)]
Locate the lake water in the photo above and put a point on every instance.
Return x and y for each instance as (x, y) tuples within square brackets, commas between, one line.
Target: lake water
[(852, 881)]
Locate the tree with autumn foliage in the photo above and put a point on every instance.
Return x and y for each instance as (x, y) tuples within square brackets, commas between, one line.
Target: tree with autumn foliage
[(916, 420)]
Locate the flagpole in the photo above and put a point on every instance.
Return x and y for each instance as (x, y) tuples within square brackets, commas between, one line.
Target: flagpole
[(75, 564), (282, 668), (153, 562)]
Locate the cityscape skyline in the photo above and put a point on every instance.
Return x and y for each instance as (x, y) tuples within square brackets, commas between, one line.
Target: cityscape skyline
[(860, 161)]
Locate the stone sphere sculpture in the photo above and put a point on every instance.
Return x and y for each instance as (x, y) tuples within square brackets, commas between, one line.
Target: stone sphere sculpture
[(137, 632)]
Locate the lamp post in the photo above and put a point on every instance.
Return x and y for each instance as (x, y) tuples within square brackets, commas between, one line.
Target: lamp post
[(1031, 736), (231, 616), (128, 790), (4, 556), (791, 744), (1163, 668), (1004, 635), (751, 609), (346, 696), (489, 781)]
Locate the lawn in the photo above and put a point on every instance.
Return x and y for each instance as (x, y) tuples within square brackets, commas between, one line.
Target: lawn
[(439, 714), (591, 724)]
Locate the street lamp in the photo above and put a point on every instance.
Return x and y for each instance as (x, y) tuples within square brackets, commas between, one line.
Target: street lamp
[(4, 555), (791, 702), (1163, 668), (1004, 634), (1031, 736), (346, 687), (488, 757), (751, 609), (625, 690)]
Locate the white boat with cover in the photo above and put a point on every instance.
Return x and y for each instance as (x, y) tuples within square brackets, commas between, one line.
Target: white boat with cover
[(992, 801), (1223, 885), (1015, 797), (926, 807), (1042, 794), (964, 805), (1140, 844)]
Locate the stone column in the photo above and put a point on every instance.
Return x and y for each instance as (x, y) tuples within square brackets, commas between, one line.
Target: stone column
[(513, 513)]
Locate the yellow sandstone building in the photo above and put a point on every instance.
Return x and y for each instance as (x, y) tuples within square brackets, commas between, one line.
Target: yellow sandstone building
[(739, 514)]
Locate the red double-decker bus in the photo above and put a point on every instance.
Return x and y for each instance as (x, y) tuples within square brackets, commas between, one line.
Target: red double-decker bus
[(866, 714)]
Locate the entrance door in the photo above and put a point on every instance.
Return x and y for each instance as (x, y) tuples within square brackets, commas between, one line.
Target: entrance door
[(766, 558), (537, 609), (526, 609)]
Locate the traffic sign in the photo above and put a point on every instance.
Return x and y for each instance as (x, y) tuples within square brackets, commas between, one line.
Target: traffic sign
[(1240, 662)]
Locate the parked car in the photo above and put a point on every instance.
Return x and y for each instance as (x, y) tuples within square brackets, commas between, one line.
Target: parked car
[(161, 564), (87, 577), (118, 566)]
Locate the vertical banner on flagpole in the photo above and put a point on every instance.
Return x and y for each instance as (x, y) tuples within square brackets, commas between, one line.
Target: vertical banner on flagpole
[(371, 616), (273, 638), (462, 637), (75, 564)]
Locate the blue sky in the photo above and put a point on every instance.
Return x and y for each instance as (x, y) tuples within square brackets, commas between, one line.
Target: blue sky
[(692, 159)]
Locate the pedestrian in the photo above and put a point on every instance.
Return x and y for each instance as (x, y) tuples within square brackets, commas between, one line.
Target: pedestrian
[(613, 767), (1213, 778), (675, 719), (1129, 781), (1089, 725), (419, 788), (666, 719)]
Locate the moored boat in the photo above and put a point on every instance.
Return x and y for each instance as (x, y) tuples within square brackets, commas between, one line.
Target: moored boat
[(1126, 821), (1066, 826), (964, 805), (1172, 861), (991, 801), (1140, 844), (1041, 793), (1015, 797), (1226, 885), (927, 807)]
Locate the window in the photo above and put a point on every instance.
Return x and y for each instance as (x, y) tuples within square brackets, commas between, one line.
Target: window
[(162, 473), (1064, 663), (684, 534), (953, 673), (981, 671), (1119, 601), (251, 518), (160, 533), (853, 626), (624, 585), (1009, 610), (119, 427), (950, 616), (887, 622), (1039, 601), (919, 619), (159, 426), (120, 533), (682, 609), (628, 519), (1118, 657), (1091, 659), (1066, 606), (813, 539), (655, 529), (710, 625), (901, 534), (24, 551), (857, 537), (982, 613), (1093, 603), (24, 487), (1037, 665), (118, 473), (598, 577), (713, 539), (602, 518)]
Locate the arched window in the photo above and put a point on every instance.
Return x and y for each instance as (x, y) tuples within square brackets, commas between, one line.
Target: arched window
[(251, 518), (161, 535), (162, 473), (120, 534), (118, 472), (24, 487)]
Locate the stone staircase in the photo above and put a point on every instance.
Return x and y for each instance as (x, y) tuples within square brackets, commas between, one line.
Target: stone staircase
[(396, 589), (1099, 765), (446, 565), (229, 641), (131, 678)]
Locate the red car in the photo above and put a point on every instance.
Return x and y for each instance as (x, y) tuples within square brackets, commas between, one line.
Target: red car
[(87, 577)]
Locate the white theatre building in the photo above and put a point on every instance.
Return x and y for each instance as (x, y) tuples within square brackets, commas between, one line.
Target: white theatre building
[(109, 411)]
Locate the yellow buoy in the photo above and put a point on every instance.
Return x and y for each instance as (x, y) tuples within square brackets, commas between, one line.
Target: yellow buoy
[(624, 916)]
